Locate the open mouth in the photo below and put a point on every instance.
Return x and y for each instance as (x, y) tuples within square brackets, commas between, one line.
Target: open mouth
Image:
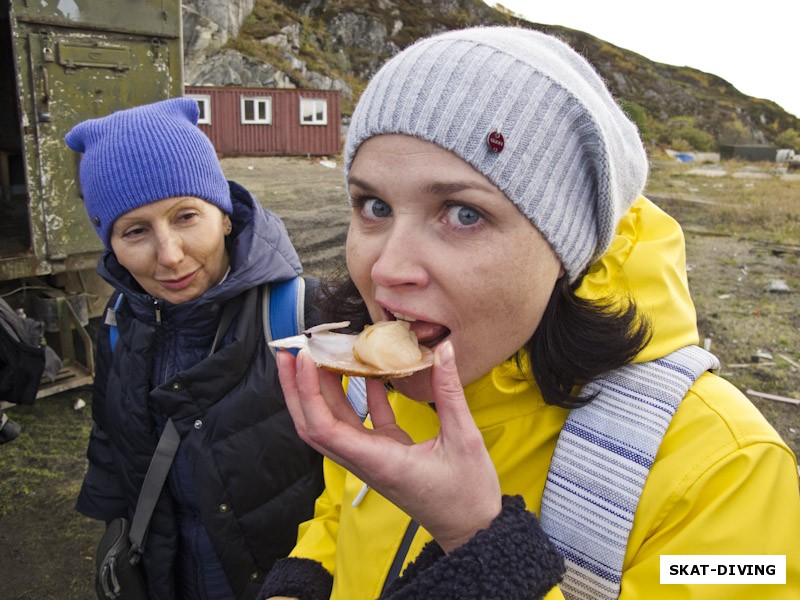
[(428, 334)]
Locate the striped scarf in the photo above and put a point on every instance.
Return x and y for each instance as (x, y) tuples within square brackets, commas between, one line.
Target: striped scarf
[(602, 459)]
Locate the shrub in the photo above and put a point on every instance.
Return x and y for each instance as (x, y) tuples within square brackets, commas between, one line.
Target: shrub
[(733, 132), (696, 138), (638, 115), (789, 139)]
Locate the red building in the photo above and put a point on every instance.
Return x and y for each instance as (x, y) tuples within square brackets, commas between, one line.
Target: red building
[(269, 122)]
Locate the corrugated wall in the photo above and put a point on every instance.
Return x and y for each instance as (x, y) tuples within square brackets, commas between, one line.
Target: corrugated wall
[(285, 136), (752, 153)]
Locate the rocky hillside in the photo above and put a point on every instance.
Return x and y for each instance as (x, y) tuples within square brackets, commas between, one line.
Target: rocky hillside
[(339, 44)]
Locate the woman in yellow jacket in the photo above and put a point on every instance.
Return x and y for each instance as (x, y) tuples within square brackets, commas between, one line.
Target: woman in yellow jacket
[(496, 192)]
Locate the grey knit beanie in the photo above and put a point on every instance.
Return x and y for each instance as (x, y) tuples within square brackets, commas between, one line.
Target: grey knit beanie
[(529, 113), (143, 154)]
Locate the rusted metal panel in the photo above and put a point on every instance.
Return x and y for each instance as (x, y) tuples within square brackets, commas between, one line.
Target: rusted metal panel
[(70, 61), (144, 17), (284, 135)]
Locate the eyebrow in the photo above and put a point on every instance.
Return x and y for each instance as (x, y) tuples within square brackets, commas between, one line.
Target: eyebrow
[(439, 188), (125, 221), (445, 189), (362, 184)]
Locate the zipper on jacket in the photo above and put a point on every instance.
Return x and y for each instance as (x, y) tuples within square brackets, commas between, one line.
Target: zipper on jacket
[(400, 557), (158, 310)]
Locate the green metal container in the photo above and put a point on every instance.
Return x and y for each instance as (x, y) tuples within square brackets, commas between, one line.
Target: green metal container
[(61, 62), (70, 60)]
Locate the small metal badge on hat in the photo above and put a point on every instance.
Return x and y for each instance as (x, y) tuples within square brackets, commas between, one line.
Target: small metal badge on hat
[(495, 141)]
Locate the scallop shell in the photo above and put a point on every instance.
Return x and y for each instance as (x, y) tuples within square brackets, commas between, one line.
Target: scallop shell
[(334, 352)]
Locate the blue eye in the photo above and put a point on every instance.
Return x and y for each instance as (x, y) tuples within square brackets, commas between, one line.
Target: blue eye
[(464, 216), (376, 209)]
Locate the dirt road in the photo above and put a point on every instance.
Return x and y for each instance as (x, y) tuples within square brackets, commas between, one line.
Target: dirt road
[(309, 195)]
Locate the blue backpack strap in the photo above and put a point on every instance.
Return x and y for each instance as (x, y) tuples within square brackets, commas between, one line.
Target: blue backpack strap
[(283, 309), (600, 464), (284, 316), (111, 321)]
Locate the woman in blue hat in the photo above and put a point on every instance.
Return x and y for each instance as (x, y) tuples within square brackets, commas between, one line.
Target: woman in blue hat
[(188, 253)]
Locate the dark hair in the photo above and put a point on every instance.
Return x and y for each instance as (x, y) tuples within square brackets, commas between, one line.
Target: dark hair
[(339, 300), (576, 340), (579, 339)]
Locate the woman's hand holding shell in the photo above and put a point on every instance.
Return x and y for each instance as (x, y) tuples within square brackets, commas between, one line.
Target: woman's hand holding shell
[(447, 484)]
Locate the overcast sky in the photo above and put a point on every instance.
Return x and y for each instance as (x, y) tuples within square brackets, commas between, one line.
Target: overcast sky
[(755, 46)]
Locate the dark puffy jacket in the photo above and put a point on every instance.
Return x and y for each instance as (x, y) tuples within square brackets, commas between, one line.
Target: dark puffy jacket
[(241, 468)]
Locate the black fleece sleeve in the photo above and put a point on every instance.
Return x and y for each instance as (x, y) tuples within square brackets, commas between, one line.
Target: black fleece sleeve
[(301, 578), (512, 558)]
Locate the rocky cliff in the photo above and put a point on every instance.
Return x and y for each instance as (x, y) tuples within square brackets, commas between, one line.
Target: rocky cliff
[(339, 44)]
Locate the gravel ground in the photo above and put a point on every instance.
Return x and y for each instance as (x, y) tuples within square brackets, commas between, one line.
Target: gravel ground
[(46, 548)]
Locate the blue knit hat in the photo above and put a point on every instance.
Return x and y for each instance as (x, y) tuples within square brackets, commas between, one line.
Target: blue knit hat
[(530, 114), (140, 155)]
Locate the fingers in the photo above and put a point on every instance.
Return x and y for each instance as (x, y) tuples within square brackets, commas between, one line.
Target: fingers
[(456, 421), (316, 401), (447, 391), (321, 426), (300, 379), (330, 424), (333, 392), (318, 392), (380, 412), (287, 377)]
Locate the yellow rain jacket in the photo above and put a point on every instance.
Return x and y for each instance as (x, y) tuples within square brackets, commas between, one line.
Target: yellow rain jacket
[(723, 481)]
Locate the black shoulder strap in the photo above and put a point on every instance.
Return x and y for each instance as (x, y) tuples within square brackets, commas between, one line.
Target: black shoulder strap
[(153, 483)]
